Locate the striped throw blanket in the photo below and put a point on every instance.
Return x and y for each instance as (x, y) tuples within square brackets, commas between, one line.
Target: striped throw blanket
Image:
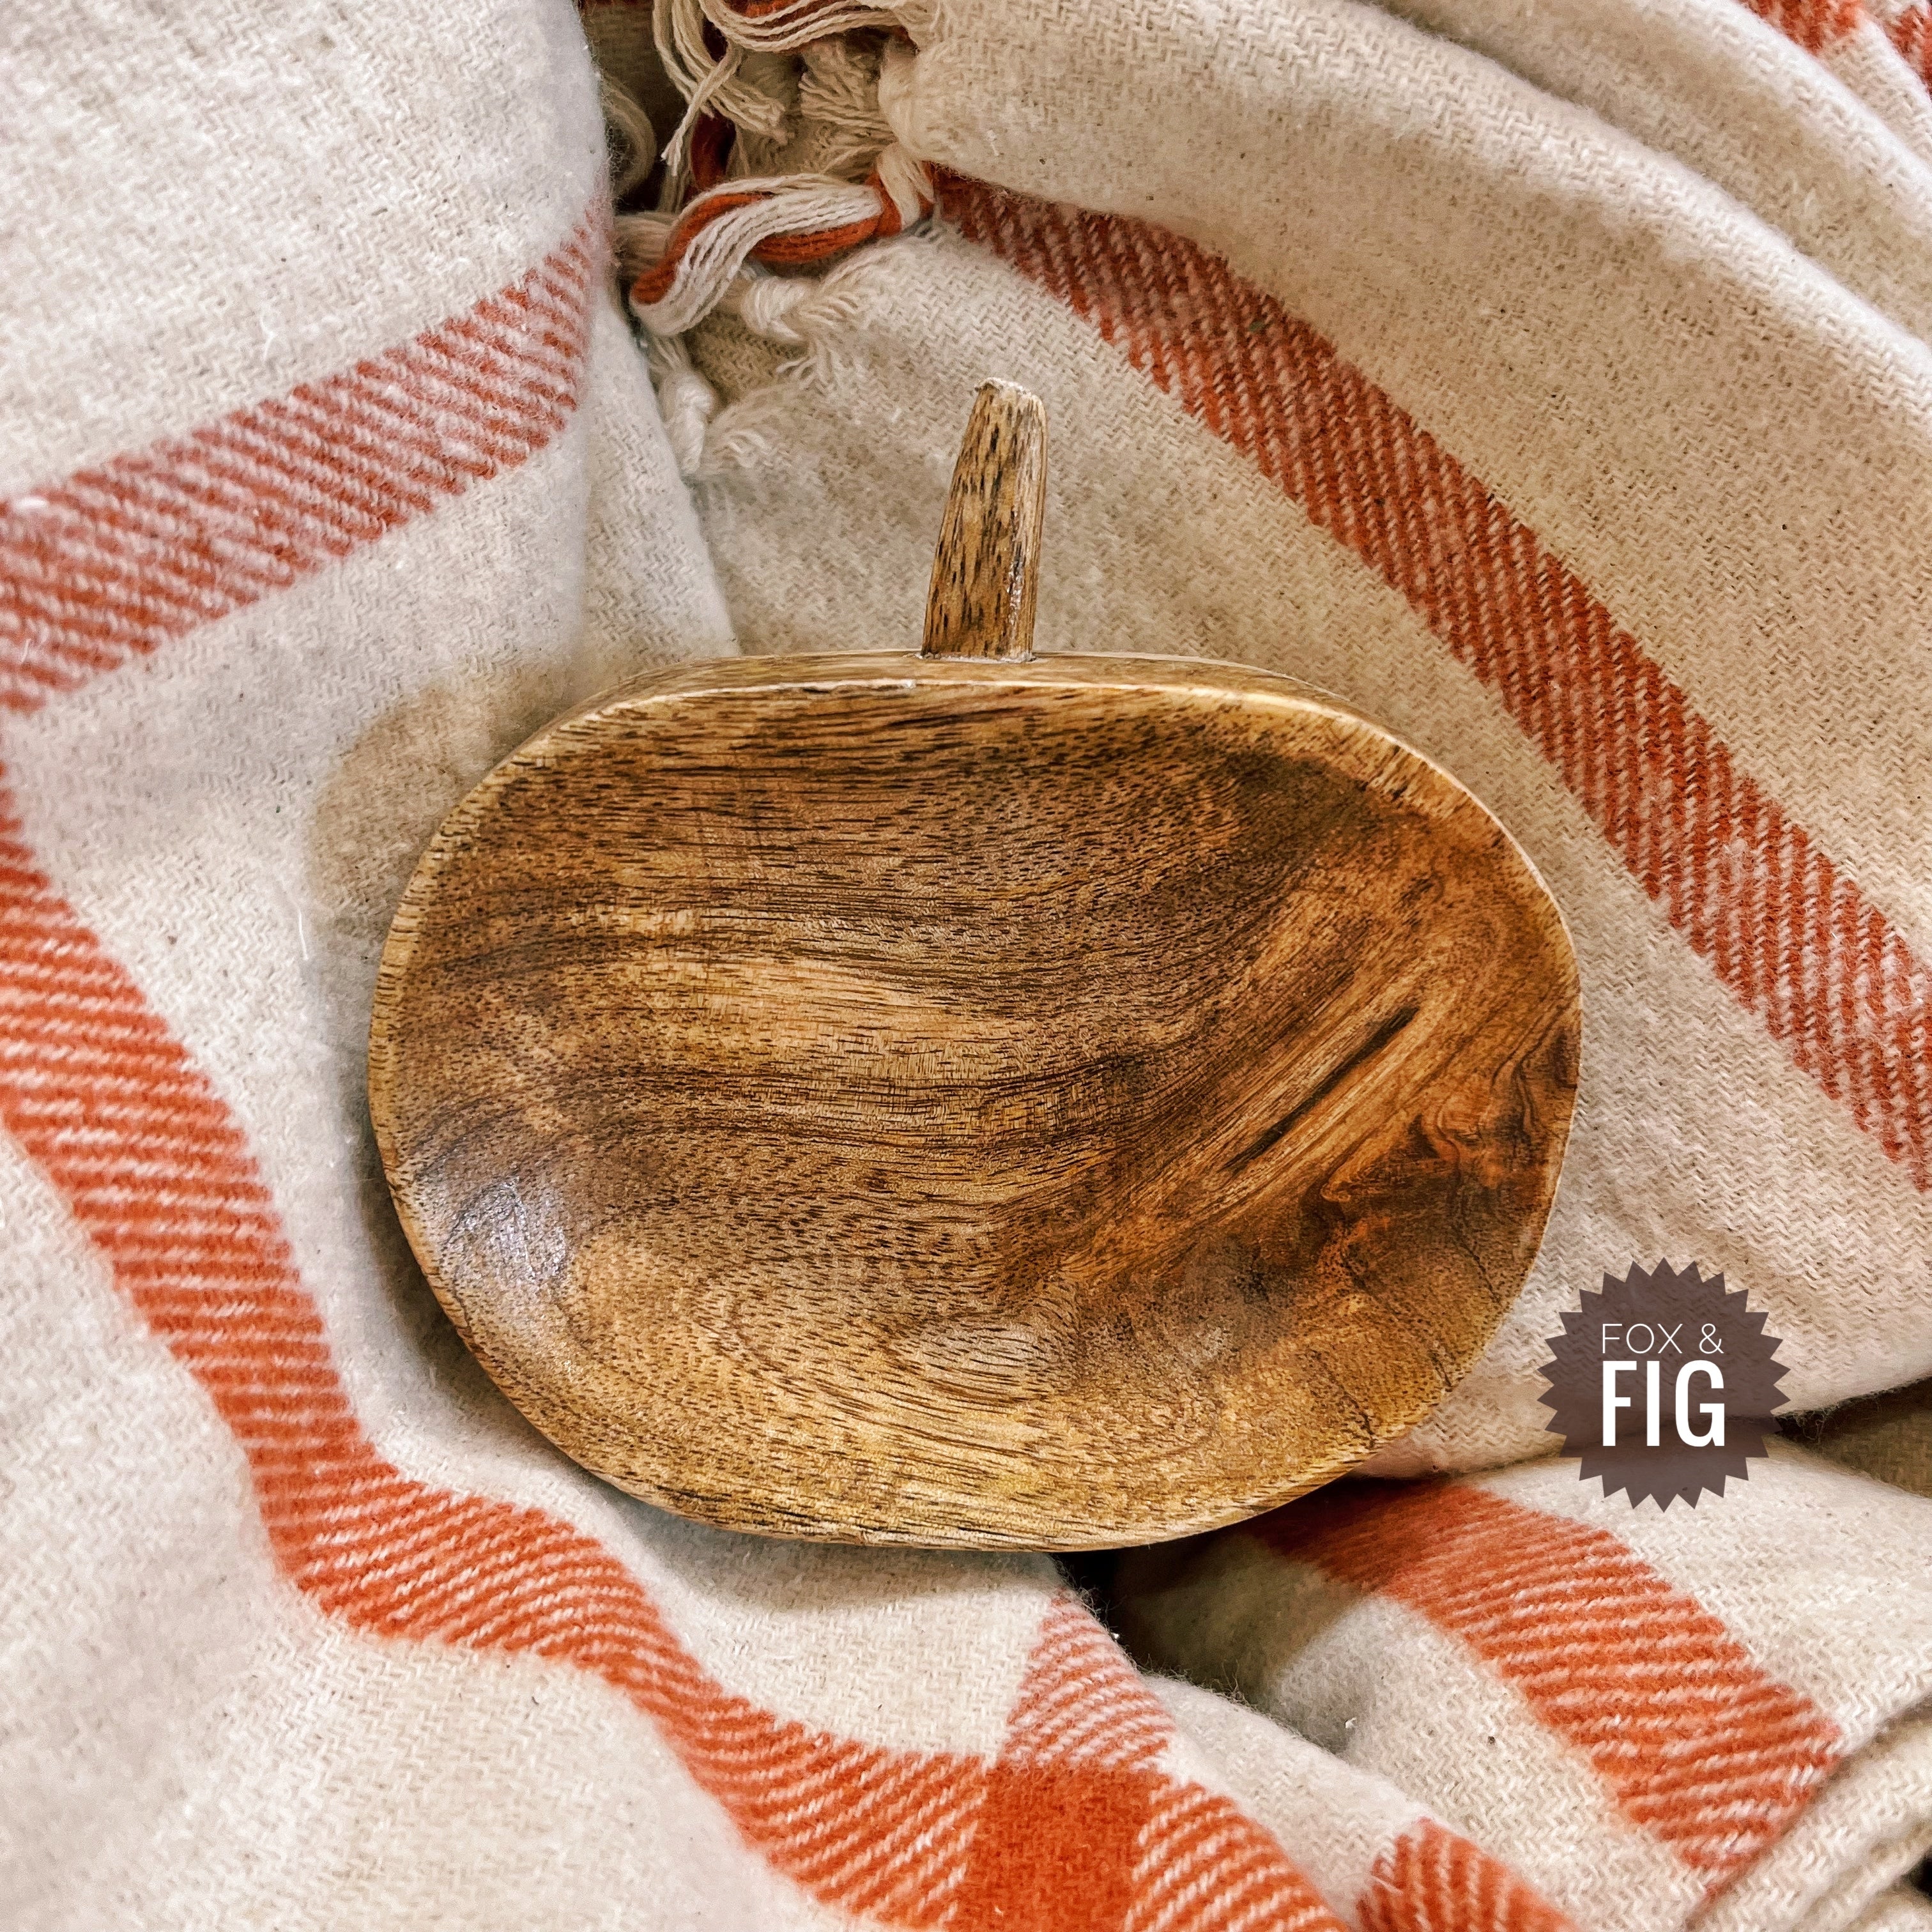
[(1552, 382)]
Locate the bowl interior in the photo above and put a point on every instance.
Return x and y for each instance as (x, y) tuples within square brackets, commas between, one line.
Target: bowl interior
[(978, 1108)]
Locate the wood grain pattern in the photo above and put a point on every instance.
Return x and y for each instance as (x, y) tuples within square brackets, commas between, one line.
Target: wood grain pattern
[(962, 1101), (986, 571)]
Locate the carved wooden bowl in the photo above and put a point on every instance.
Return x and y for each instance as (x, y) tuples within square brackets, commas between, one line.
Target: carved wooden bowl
[(973, 1099)]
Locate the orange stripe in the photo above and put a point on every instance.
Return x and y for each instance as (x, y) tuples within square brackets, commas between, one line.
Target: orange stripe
[(1082, 1831), (655, 283), (760, 9), (116, 559), (158, 1175), (1082, 1703), (1432, 1880), (1911, 33), (812, 245), (1697, 1744), (815, 244), (1816, 25), (1782, 927), (1204, 1865), (711, 142)]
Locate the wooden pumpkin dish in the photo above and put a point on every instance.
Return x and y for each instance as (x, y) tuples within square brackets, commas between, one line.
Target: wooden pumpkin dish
[(974, 1098)]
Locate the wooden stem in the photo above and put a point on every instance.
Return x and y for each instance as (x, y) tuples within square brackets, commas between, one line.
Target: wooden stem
[(987, 567)]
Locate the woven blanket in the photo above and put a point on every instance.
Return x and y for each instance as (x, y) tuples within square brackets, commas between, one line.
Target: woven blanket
[(1552, 382)]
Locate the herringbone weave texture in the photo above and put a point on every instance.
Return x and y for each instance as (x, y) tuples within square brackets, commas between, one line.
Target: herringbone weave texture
[(1425, 354)]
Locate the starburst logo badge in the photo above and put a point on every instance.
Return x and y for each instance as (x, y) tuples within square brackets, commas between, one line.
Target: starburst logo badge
[(1664, 1383)]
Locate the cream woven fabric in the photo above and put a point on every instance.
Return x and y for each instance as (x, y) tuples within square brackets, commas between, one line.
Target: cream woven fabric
[(1534, 1663), (1554, 387)]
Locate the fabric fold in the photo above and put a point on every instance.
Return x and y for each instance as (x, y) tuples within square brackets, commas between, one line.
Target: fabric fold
[(1715, 1718), (1888, 1436)]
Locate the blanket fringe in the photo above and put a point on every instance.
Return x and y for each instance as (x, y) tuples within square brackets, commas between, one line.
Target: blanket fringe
[(783, 161), (819, 317)]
